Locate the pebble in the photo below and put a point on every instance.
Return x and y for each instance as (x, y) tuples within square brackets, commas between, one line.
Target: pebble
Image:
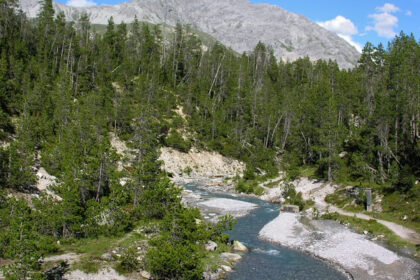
[(106, 257), (226, 268), (145, 274)]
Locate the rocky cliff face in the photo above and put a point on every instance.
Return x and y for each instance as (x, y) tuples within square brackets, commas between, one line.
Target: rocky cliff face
[(238, 24)]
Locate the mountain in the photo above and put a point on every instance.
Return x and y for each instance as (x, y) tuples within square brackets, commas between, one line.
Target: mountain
[(238, 24)]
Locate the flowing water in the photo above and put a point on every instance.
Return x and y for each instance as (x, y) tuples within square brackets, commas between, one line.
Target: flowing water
[(268, 261)]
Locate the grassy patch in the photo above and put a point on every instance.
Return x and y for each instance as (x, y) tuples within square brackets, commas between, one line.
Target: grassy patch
[(396, 206), (343, 200), (273, 184), (339, 198), (88, 266), (249, 187), (92, 249), (307, 171)]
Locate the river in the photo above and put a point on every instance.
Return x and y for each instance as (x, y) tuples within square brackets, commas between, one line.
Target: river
[(266, 260)]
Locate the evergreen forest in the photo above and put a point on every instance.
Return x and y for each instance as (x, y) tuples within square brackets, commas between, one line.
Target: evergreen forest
[(66, 90)]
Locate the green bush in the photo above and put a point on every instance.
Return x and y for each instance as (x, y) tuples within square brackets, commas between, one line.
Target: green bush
[(158, 199), (175, 261), (249, 187), (295, 198), (129, 260), (176, 141), (249, 173), (187, 170)]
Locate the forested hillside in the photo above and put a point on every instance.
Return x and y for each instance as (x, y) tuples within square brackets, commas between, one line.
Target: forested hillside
[(64, 89)]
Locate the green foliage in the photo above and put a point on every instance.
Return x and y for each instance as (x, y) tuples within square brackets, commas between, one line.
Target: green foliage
[(175, 261), (177, 253), (249, 173), (158, 199), (187, 170), (249, 187), (64, 88), (129, 260), (225, 223), (176, 141), (294, 198), (406, 180)]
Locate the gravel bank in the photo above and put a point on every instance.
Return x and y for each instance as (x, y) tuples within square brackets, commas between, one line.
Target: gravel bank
[(226, 206), (331, 241)]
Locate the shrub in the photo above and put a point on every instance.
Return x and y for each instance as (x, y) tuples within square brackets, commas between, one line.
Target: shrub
[(129, 260), (249, 187), (176, 141), (158, 199), (175, 261), (249, 173), (187, 170)]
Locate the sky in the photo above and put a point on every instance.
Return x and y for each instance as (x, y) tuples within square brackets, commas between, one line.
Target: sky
[(356, 21)]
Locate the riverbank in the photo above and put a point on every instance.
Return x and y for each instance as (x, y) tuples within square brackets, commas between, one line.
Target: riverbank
[(326, 240), (331, 241)]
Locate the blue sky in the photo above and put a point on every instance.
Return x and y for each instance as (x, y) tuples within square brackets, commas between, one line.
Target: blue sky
[(357, 21)]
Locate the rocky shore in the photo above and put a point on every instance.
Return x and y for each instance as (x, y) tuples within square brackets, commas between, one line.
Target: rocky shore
[(336, 243), (353, 254)]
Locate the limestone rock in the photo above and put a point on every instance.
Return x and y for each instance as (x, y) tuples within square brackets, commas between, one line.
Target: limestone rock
[(230, 257), (145, 274), (238, 246), (107, 257), (290, 208), (226, 268), (211, 246)]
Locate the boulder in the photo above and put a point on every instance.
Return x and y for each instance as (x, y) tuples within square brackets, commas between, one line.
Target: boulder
[(229, 257), (217, 275), (343, 154), (290, 208), (107, 257), (226, 268), (57, 272), (211, 246), (145, 274), (238, 246)]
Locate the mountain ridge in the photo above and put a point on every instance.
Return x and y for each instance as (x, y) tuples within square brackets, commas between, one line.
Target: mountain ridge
[(238, 24)]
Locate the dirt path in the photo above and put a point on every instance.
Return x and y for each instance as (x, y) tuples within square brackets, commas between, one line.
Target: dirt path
[(317, 191), (69, 258), (405, 233)]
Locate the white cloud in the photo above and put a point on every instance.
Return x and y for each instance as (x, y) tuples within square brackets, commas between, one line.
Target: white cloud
[(388, 8), (344, 28), (340, 25), (81, 3), (409, 13), (384, 22)]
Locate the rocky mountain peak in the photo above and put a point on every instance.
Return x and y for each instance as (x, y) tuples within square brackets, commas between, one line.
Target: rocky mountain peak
[(238, 24)]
